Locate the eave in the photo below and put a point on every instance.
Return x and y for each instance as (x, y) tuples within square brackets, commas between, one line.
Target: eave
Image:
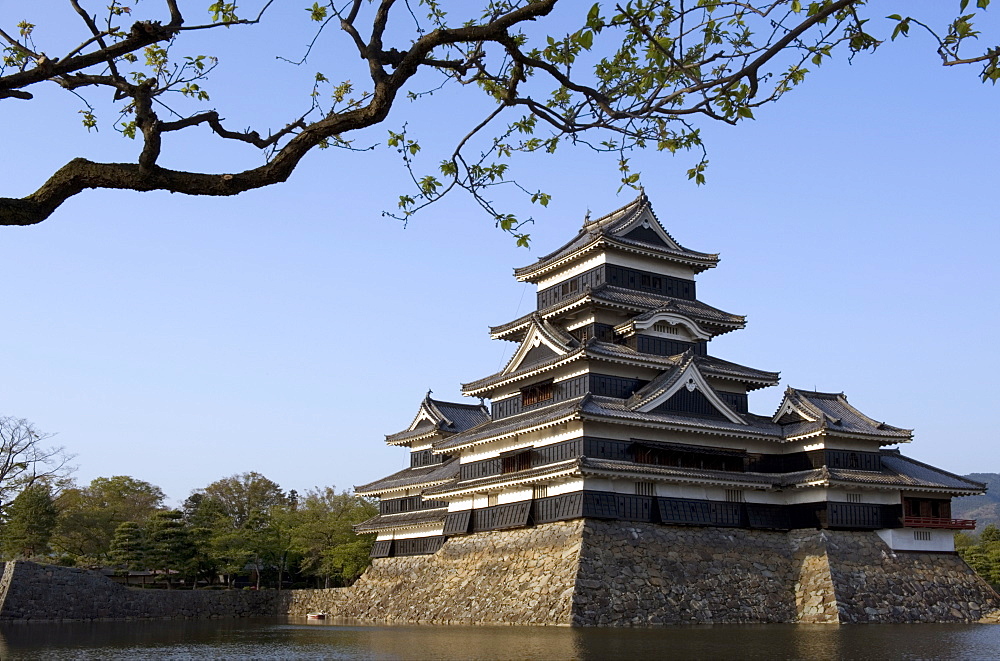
[(418, 485), (562, 469), (536, 272)]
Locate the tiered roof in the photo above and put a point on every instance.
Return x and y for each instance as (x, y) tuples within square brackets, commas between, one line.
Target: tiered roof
[(807, 413), (438, 418), (709, 319), (633, 228), (897, 472), (690, 381), (410, 478)]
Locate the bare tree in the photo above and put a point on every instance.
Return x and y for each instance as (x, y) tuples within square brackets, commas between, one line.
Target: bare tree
[(612, 76), (25, 459)]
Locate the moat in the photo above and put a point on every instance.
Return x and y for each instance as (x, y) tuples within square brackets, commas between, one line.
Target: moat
[(294, 638)]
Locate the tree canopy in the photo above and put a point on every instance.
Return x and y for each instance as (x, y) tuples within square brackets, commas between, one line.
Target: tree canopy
[(609, 76), (26, 459)]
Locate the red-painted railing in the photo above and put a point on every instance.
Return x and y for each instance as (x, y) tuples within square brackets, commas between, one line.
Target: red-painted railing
[(938, 522)]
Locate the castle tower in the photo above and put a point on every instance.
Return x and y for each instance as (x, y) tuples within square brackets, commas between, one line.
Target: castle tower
[(615, 437), (613, 407)]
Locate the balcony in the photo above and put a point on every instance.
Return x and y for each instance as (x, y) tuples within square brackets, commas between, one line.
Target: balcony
[(938, 522)]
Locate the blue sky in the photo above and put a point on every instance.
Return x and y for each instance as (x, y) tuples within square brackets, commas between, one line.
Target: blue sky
[(180, 340)]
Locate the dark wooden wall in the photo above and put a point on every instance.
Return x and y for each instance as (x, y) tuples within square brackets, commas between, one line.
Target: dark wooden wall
[(645, 281)]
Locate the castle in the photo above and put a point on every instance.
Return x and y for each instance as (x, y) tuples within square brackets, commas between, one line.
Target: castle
[(613, 420)]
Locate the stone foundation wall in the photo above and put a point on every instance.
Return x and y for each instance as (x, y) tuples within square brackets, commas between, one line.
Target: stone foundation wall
[(524, 576), (45, 592), (874, 584), (643, 574), (582, 573)]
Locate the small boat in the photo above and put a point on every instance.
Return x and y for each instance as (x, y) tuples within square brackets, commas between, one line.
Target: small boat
[(315, 616)]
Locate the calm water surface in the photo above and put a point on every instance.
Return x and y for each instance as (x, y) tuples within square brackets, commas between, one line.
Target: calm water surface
[(273, 638)]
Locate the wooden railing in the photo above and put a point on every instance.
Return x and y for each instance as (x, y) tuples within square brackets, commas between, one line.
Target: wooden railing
[(938, 522)]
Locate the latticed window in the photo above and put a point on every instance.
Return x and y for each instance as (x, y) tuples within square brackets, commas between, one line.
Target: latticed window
[(570, 287), (734, 495), (668, 329), (492, 500), (645, 489), (537, 393), (540, 491), (516, 462), (854, 497)]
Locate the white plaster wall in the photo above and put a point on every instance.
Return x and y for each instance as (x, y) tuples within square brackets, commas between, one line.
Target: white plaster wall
[(812, 495), (874, 497), (626, 433), (423, 445), (858, 445), (566, 486), (903, 539), (539, 438), (421, 531), (726, 385), (514, 495), (566, 274), (460, 504), (650, 264), (573, 369)]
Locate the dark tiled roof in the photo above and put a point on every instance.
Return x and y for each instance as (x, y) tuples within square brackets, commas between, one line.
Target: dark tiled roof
[(591, 465), (709, 319), (611, 229), (483, 482), (436, 416), (412, 477), (830, 412), (383, 521), (463, 416), (661, 384), (512, 424), (617, 409), (920, 472), (477, 386), (712, 366), (422, 429), (897, 471)]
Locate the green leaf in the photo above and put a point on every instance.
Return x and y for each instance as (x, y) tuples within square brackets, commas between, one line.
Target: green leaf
[(316, 12)]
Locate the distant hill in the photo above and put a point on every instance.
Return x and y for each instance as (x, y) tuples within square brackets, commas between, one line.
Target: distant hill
[(984, 509)]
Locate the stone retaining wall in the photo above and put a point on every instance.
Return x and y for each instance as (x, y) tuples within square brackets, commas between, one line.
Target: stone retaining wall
[(46, 592), (874, 584), (524, 576), (582, 573), (642, 574)]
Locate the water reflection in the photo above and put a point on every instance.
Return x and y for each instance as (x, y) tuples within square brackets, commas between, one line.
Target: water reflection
[(296, 639)]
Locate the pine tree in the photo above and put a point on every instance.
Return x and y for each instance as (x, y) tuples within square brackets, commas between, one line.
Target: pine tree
[(169, 546), (31, 518), (128, 547)]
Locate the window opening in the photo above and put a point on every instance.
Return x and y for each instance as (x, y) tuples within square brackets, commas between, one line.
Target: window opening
[(540, 491), (668, 329), (645, 489), (734, 495), (517, 462), (854, 497), (537, 393)]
